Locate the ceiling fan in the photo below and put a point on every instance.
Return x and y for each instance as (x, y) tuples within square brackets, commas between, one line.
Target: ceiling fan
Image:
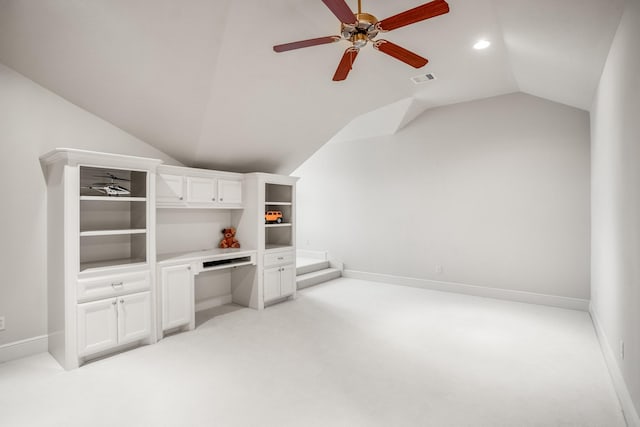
[(361, 28)]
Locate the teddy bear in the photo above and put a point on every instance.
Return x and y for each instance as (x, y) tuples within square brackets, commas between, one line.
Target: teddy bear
[(229, 240)]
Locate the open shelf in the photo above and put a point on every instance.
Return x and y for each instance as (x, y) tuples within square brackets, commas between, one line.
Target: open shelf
[(111, 232), (113, 249), (94, 180), (113, 227), (274, 246), (87, 267), (283, 224), (112, 199), (279, 197), (278, 194), (277, 203)]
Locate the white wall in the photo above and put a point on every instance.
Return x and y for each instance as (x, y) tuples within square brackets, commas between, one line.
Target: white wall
[(615, 147), (495, 191), (34, 121)]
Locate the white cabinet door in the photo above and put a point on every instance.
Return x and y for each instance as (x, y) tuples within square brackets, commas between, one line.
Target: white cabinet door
[(134, 317), (271, 283), (170, 189), (97, 326), (229, 192), (177, 296), (201, 190), (287, 280)]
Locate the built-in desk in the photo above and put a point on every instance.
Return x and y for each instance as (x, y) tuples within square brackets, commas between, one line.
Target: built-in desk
[(211, 259), (176, 272)]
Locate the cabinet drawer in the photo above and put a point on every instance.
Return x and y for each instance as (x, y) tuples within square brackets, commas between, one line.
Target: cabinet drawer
[(107, 286), (279, 258)]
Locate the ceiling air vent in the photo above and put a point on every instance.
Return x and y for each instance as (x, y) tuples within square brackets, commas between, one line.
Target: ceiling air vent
[(423, 78)]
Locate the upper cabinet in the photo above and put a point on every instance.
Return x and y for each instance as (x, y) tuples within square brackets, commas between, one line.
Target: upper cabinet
[(169, 189), (198, 188)]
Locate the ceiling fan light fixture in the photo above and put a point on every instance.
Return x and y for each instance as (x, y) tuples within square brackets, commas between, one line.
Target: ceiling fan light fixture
[(359, 40), (481, 44)]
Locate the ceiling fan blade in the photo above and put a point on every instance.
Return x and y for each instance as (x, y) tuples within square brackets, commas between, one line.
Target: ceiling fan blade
[(400, 53), (346, 64), (411, 16), (341, 10), (306, 43)]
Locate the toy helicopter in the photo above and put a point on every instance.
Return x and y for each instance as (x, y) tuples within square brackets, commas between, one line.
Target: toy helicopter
[(110, 188)]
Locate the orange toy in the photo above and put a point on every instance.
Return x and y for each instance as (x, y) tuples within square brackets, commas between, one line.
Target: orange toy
[(229, 240)]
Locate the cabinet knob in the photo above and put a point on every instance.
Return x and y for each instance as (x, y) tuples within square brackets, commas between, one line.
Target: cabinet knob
[(180, 197), (121, 301), (113, 303), (213, 198), (221, 198)]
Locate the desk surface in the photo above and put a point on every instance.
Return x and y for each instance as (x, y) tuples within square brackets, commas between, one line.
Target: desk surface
[(205, 255)]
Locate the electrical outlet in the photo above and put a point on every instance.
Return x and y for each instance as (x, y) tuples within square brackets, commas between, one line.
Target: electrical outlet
[(1, 323), (621, 349)]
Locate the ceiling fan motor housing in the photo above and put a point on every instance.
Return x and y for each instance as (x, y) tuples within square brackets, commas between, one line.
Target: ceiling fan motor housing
[(362, 31)]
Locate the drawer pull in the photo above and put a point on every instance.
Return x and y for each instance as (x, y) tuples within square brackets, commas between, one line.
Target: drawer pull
[(280, 258), (117, 285)]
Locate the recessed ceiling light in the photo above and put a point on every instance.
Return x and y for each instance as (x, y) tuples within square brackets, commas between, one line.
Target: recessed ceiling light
[(481, 44)]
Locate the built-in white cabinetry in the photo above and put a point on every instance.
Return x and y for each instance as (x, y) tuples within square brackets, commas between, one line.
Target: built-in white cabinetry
[(177, 296), (279, 280), (201, 190), (107, 289), (101, 246), (198, 188), (108, 323), (170, 189), (279, 275), (97, 326), (275, 240), (230, 191)]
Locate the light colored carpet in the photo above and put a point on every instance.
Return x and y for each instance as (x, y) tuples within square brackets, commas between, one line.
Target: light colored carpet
[(344, 353)]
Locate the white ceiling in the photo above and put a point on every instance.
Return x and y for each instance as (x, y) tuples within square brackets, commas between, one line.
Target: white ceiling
[(199, 80)]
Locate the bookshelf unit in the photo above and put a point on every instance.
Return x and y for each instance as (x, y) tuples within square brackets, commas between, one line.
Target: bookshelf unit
[(101, 246), (275, 242)]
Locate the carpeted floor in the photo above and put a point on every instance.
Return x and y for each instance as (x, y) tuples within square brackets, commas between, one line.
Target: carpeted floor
[(344, 353)]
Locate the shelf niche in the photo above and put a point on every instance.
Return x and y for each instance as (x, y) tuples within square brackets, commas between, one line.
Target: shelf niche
[(112, 250), (113, 228), (134, 181), (278, 194)]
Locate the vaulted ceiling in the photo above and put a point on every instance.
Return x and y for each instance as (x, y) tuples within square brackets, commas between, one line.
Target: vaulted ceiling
[(199, 80)]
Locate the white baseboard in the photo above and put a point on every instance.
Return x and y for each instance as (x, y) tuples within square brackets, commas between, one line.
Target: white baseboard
[(23, 348), (479, 291), (305, 253), (213, 302), (630, 412)]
